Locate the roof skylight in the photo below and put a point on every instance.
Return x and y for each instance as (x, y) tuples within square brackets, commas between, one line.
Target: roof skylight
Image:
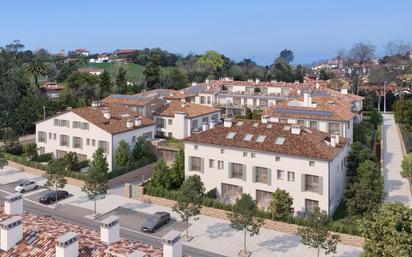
[(280, 140), (287, 127), (239, 123), (269, 126), (230, 135), (261, 138), (255, 124), (247, 137)]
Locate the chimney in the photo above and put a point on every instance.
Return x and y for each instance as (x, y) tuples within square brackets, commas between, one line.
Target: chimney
[(194, 84), (107, 114), (172, 244), (183, 102), (212, 124), (67, 245), (264, 118), (257, 81), (337, 139), (207, 81), (344, 91), (333, 140), (109, 230), (96, 103), (228, 122), (138, 121), (295, 129), (205, 126), (13, 204), (307, 99), (129, 123), (317, 85), (11, 232)]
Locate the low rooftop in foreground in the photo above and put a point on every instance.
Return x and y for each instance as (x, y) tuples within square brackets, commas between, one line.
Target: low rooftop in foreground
[(191, 109), (271, 137)]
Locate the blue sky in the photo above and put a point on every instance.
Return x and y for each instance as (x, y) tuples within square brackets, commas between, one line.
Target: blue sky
[(256, 29)]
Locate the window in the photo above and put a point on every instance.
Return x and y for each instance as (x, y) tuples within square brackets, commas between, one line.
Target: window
[(220, 165), (42, 136), (222, 150), (244, 154), (311, 163), (205, 119), (283, 120), (209, 101), (230, 193), (194, 124), (214, 117), (277, 158), (291, 176), (211, 163), (230, 135), (195, 163), (61, 123), (104, 146), (313, 124), (64, 140), (279, 140), (247, 137), (76, 124), (252, 155), (93, 142), (169, 122), (263, 199), (50, 135), (202, 100), (237, 170), (170, 134), (54, 136), (148, 135), (334, 128), (41, 150), (280, 174), (261, 175), (196, 147), (263, 103), (312, 183), (261, 138), (85, 126), (77, 142), (301, 122), (160, 123), (88, 141), (310, 205)]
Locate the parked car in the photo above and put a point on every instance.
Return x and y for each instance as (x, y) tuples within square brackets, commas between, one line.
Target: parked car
[(155, 221), (26, 185), (50, 197)]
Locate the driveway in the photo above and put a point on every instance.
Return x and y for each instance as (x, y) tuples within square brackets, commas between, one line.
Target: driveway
[(397, 188)]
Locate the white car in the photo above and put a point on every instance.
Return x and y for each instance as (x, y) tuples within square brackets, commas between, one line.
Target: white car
[(27, 185)]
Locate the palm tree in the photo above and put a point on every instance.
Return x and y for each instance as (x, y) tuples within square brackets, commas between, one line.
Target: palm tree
[(35, 69)]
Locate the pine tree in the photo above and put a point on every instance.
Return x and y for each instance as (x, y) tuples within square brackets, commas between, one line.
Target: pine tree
[(123, 155), (105, 85), (178, 169)]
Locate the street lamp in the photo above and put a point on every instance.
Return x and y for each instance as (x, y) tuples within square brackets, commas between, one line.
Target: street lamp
[(384, 97)]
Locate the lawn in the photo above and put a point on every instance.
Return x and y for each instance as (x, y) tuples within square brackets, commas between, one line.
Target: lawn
[(134, 71)]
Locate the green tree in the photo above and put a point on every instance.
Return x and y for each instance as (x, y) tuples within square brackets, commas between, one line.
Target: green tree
[(30, 150), (402, 106), (3, 161), (285, 56), (56, 177), (141, 149), (389, 232), (212, 59), (35, 69), (161, 175), (248, 114), (123, 155), (71, 162), (281, 205), (317, 234), (173, 78), (189, 200), (95, 182), (375, 118), (243, 218), (152, 72), (105, 86), (358, 154), (406, 171), (121, 81), (365, 194), (178, 169)]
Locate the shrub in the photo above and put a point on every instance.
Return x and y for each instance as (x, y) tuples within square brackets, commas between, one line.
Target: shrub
[(43, 157), (14, 148), (83, 164), (30, 150), (211, 194)]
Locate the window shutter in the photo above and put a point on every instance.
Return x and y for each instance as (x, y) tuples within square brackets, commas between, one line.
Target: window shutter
[(202, 165), (230, 169), (269, 177), (244, 172), (303, 182), (190, 163), (321, 185), (253, 174)]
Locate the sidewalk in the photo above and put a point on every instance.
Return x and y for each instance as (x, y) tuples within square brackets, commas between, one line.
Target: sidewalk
[(210, 234), (396, 187)]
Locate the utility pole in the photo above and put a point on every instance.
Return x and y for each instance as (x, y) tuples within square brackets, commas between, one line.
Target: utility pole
[(384, 97)]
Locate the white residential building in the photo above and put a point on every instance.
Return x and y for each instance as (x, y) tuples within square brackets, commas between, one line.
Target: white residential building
[(181, 119), (257, 158), (84, 130)]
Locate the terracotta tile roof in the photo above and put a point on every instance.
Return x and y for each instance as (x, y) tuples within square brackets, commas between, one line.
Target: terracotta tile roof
[(309, 143), (327, 108), (90, 70), (43, 232), (137, 99), (117, 122), (167, 94), (52, 86), (191, 110)]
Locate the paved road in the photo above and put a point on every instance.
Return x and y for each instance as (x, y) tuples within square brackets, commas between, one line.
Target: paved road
[(75, 215), (397, 187)]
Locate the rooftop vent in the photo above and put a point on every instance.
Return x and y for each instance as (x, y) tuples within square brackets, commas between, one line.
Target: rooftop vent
[(247, 137), (344, 91), (255, 124), (67, 245), (109, 230), (13, 204), (230, 135), (264, 118), (172, 244), (96, 104), (107, 114), (228, 122), (295, 129), (129, 123), (11, 232), (286, 127), (280, 140), (138, 121)]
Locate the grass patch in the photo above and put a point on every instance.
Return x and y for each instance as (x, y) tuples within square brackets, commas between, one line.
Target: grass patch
[(173, 143), (134, 71)]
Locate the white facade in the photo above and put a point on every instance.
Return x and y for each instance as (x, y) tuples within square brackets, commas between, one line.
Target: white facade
[(284, 171), (181, 126), (59, 140)]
